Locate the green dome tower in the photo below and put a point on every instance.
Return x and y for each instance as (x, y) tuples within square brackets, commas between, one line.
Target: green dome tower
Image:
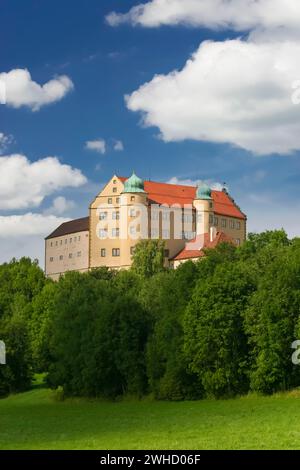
[(134, 184)]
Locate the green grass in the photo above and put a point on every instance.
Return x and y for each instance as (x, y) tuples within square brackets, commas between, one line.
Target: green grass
[(34, 420)]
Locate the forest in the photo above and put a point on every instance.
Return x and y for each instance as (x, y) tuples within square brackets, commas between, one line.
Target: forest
[(220, 327)]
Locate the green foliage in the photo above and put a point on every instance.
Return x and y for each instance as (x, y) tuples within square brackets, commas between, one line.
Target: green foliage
[(219, 327), (271, 323), (148, 258), (20, 282), (215, 343), (98, 339)]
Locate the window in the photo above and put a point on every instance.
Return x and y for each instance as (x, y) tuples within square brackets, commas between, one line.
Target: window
[(70, 240), (75, 239), (61, 242), (61, 257), (103, 216), (118, 200), (132, 250), (238, 241), (79, 238), (66, 241), (114, 181), (167, 253), (56, 243), (216, 221), (116, 252), (114, 190), (78, 254), (116, 215), (224, 223), (132, 212), (51, 244), (103, 233), (132, 198), (211, 219), (103, 252), (109, 200), (51, 259), (238, 225), (115, 232), (70, 255), (231, 224)]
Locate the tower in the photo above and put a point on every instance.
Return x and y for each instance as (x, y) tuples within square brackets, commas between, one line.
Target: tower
[(204, 206), (134, 216)]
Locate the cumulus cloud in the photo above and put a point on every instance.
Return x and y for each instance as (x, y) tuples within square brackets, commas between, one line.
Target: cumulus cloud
[(25, 184), (118, 146), (239, 15), (96, 145), (60, 206), (235, 91), (28, 224), (21, 90), (23, 235)]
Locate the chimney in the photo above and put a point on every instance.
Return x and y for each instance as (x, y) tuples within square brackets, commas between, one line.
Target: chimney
[(213, 234)]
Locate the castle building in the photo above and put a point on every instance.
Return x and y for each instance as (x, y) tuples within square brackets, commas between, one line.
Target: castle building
[(128, 210)]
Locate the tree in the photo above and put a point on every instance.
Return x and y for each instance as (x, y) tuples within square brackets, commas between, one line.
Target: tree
[(148, 258), (271, 323), (98, 339), (214, 340), (164, 297), (20, 281)]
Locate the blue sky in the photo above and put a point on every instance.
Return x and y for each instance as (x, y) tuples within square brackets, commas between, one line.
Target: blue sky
[(105, 62)]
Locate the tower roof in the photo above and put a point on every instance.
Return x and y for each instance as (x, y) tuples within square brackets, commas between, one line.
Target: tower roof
[(203, 191), (134, 184)]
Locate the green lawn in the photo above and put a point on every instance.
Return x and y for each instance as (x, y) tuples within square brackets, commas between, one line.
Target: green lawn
[(34, 420)]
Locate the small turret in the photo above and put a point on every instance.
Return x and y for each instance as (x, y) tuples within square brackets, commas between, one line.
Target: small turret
[(134, 184), (203, 204), (203, 192)]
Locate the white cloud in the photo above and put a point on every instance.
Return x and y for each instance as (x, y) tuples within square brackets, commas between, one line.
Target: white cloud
[(189, 182), (5, 141), (60, 206), (237, 92), (25, 184), (239, 15), (118, 146), (96, 145), (28, 224), (21, 90), (23, 235)]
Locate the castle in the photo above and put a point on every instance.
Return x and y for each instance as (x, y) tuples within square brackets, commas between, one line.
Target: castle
[(128, 210)]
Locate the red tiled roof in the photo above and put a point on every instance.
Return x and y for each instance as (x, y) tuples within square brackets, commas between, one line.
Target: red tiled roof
[(73, 226), (166, 193), (195, 248)]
